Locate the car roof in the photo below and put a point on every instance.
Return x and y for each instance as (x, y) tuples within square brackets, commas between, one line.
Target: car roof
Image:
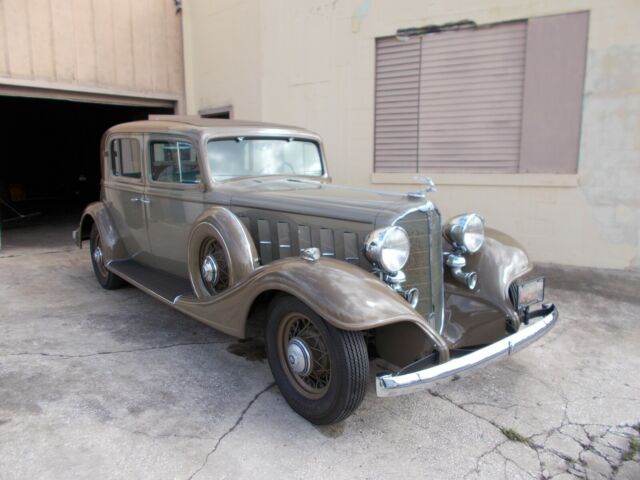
[(195, 124)]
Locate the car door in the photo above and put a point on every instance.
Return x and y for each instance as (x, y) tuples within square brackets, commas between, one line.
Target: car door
[(124, 184), (175, 198)]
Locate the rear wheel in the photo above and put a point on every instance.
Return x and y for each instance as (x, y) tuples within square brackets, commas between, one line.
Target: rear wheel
[(106, 279), (321, 371)]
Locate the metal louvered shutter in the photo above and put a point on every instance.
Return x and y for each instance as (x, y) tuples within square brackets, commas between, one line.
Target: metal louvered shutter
[(397, 95), (468, 101)]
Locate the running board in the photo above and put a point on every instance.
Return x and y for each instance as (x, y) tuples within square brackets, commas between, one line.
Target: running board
[(161, 285)]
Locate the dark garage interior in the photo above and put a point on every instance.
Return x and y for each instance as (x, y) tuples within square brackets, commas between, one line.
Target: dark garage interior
[(50, 162)]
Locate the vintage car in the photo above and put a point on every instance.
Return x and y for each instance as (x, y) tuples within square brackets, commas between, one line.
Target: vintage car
[(237, 224)]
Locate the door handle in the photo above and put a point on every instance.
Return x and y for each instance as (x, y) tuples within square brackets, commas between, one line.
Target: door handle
[(135, 199), (146, 201)]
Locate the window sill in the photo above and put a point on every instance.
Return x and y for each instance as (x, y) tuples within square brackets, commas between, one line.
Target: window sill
[(558, 180)]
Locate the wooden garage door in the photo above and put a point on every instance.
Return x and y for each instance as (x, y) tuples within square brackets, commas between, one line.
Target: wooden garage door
[(450, 101)]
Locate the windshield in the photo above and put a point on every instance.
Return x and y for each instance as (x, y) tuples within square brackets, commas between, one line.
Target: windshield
[(246, 157)]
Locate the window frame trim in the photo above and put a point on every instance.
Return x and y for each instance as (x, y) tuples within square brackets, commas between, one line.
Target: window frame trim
[(566, 179), (152, 137), (119, 178), (298, 137), (205, 112), (549, 180)]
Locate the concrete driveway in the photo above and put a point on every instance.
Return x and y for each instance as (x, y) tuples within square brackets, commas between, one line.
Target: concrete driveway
[(113, 384)]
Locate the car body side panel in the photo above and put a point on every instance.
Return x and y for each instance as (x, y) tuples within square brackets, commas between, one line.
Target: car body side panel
[(345, 295), (122, 197)]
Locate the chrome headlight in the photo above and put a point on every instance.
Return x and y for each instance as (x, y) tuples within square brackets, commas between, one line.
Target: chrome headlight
[(466, 232), (388, 248)]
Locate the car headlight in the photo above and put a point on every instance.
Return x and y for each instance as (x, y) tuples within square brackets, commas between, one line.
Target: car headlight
[(466, 232), (388, 248)]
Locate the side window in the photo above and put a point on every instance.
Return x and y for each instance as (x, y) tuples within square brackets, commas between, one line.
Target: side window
[(125, 157), (173, 161)]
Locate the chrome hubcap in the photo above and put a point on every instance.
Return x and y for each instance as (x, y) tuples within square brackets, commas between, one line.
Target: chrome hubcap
[(299, 357), (304, 355), (209, 270), (97, 255)]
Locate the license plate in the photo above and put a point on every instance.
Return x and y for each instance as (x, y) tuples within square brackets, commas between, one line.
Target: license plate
[(530, 292)]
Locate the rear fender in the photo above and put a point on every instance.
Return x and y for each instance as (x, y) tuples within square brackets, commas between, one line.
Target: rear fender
[(112, 246)]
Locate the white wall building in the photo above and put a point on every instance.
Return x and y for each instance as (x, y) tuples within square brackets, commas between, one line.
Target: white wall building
[(535, 123)]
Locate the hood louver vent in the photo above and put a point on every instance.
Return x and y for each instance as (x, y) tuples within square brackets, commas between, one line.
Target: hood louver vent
[(278, 238)]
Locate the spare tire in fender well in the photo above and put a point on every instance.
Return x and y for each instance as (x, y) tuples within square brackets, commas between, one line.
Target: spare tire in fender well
[(221, 224)]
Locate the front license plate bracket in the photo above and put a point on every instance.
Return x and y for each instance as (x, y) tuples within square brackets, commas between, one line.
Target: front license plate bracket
[(529, 292)]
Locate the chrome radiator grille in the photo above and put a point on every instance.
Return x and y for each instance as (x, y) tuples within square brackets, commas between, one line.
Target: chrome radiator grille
[(424, 270)]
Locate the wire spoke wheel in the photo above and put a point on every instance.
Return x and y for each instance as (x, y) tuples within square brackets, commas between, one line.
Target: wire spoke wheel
[(321, 371), (304, 355), (212, 251)]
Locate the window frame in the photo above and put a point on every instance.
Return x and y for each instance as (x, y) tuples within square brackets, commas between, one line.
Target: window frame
[(173, 185), (216, 112), (575, 22), (109, 163), (315, 141)]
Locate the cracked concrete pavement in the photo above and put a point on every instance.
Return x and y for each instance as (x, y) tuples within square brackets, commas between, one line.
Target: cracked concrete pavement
[(113, 384)]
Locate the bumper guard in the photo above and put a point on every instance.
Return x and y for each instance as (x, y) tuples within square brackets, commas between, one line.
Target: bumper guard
[(390, 384)]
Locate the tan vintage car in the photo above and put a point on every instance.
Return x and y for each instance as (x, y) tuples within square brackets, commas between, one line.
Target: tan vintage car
[(238, 223)]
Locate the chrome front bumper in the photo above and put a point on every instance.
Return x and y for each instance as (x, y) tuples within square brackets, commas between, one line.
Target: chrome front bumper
[(390, 384)]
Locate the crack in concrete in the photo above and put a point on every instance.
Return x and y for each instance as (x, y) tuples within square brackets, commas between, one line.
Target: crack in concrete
[(231, 429), (114, 352), (461, 407), (493, 449), (160, 436), (48, 252), (515, 464), (575, 466)]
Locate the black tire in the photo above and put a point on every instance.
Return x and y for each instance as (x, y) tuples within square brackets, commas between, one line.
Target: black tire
[(347, 359), (106, 278)]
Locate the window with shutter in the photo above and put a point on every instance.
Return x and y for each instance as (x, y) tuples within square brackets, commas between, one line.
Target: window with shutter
[(478, 100), (397, 103)]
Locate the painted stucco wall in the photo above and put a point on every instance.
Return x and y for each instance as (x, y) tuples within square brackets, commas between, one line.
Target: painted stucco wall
[(311, 63), (222, 52)]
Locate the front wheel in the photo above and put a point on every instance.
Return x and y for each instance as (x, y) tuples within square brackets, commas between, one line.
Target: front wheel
[(321, 371)]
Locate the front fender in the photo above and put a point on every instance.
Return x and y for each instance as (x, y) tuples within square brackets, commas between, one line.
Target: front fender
[(112, 246), (477, 317), (500, 261), (345, 295)]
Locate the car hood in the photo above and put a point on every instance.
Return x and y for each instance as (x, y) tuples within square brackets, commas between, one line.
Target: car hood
[(310, 197)]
